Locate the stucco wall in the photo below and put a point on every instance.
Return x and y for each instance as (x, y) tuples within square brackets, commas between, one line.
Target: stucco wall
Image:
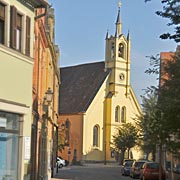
[(132, 110), (94, 116), (76, 139), (16, 78)]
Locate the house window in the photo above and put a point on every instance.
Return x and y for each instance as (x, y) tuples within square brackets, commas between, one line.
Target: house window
[(16, 29), (121, 50), (2, 23), (123, 114), (18, 32), (96, 136), (28, 27), (117, 114)]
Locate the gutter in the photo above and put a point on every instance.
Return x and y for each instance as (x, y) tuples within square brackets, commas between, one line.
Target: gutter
[(43, 5)]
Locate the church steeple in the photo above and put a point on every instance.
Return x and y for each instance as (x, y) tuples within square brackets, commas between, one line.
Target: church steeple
[(117, 57), (118, 22)]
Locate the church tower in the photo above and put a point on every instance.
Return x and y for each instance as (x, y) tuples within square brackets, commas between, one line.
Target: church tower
[(117, 58)]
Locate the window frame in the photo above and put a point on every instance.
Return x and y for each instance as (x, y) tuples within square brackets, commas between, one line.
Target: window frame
[(117, 114), (121, 50), (3, 20), (67, 132), (20, 31), (123, 114), (96, 136)]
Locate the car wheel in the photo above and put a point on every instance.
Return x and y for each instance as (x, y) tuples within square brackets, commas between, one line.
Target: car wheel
[(60, 166)]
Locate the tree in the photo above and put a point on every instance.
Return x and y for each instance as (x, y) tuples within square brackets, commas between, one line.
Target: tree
[(125, 139), (148, 124), (169, 101), (171, 11)]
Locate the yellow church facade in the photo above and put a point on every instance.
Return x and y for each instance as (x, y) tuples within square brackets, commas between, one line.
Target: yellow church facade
[(94, 100)]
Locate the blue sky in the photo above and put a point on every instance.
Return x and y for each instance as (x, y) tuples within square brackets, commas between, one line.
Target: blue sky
[(81, 26)]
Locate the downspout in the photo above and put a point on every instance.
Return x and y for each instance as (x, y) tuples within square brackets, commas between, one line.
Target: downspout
[(41, 15)]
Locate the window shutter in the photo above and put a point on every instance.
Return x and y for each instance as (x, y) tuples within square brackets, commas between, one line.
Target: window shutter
[(2, 11), (13, 26), (28, 27)]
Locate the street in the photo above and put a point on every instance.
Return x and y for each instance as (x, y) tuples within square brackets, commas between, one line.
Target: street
[(91, 172)]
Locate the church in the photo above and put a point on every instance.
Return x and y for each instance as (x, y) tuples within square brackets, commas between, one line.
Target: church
[(95, 99)]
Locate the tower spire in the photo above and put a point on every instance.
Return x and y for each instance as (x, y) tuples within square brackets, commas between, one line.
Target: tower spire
[(118, 21)]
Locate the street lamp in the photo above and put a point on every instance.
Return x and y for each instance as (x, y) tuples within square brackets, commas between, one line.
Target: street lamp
[(49, 95)]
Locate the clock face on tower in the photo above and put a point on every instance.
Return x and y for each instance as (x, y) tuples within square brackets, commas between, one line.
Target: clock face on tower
[(121, 76)]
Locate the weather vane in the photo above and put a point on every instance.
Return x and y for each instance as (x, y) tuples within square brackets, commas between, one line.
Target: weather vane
[(119, 4)]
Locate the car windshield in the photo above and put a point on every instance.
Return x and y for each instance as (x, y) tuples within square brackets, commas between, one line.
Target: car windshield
[(139, 164), (128, 163), (153, 165)]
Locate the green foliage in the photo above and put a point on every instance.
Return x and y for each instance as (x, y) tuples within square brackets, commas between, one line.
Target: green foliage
[(125, 138), (148, 123), (161, 107), (171, 11), (169, 101), (154, 62)]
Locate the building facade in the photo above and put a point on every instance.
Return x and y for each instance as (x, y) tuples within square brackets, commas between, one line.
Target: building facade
[(46, 79), (16, 69), (95, 99)]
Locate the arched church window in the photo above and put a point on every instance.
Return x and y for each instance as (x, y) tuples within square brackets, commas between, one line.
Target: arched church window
[(123, 114), (96, 136), (117, 114), (67, 132), (121, 50)]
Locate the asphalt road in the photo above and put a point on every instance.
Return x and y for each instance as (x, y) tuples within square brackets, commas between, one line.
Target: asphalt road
[(91, 172)]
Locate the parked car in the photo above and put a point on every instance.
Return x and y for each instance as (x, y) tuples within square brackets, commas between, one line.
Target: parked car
[(60, 162), (177, 169), (125, 169), (136, 168), (150, 171), (128, 160)]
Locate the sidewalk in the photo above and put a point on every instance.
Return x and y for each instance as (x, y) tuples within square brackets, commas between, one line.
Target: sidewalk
[(84, 166)]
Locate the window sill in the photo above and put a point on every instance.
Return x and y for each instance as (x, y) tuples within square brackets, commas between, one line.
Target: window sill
[(15, 53)]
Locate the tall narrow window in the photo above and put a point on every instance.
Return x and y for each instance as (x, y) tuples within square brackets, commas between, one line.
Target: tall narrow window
[(121, 50), (16, 29), (67, 132), (123, 114), (2, 23), (117, 114), (18, 32), (96, 136), (28, 27), (13, 27)]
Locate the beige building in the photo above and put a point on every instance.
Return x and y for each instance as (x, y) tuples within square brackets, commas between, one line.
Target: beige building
[(16, 69), (95, 99)]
